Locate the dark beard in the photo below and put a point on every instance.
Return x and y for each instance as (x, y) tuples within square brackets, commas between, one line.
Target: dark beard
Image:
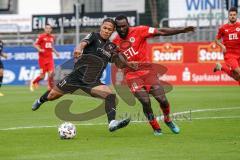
[(122, 35), (233, 21)]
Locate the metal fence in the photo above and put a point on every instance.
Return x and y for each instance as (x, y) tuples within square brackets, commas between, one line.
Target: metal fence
[(201, 34), (22, 39)]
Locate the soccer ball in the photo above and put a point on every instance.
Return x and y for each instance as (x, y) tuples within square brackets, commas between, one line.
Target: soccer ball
[(67, 130)]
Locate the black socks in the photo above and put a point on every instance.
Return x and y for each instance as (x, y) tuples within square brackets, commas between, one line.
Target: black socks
[(43, 98), (110, 107), (1, 79)]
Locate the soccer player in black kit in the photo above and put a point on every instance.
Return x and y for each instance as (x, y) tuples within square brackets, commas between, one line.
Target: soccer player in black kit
[(91, 58), (1, 64)]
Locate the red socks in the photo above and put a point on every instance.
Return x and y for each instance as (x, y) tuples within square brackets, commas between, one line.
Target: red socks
[(154, 124), (50, 83), (227, 70), (166, 112), (36, 80)]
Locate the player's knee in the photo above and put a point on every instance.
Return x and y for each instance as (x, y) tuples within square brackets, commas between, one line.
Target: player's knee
[(145, 101), (51, 75), (1, 72), (52, 96), (238, 76), (163, 101), (42, 76)]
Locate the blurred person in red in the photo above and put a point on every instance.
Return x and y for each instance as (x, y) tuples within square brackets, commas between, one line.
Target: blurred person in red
[(229, 33), (45, 46), (4, 55), (143, 81)]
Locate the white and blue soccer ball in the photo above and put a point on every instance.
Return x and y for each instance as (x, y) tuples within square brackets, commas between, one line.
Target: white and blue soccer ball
[(67, 130)]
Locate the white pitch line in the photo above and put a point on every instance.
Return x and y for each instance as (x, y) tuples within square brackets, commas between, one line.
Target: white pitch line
[(200, 110), (226, 117), (53, 126), (27, 127), (174, 114), (205, 110), (207, 118)]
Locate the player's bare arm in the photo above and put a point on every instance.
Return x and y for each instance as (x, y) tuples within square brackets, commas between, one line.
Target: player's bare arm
[(4, 55), (174, 31), (79, 49), (56, 52), (218, 42), (118, 58), (121, 62), (38, 48)]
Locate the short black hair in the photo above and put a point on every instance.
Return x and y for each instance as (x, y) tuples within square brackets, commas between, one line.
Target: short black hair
[(47, 24), (121, 17), (233, 9), (109, 20)]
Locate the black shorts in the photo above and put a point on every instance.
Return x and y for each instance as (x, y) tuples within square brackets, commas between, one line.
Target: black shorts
[(1, 64), (71, 83)]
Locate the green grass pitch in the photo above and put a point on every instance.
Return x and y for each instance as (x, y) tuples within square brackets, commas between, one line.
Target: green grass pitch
[(210, 128)]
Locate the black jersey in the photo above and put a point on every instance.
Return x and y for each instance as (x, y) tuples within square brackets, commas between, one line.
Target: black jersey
[(94, 59), (89, 68)]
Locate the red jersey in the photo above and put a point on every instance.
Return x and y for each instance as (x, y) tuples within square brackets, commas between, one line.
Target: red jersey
[(230, 34), (45, 42), (134, 46)]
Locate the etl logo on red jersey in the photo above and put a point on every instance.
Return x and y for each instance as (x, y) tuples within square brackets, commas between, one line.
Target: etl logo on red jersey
[(127, 49), (210, 53), (167, 53)]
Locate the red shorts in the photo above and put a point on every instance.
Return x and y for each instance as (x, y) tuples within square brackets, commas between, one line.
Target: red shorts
[(232, 60), (141, 79), (46, 66)]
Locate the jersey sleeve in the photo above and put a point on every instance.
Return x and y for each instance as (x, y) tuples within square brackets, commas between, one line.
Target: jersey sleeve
[(89, 38), (220, 33), (146, 31), (38, 40), (114, 37), (54, 38), (116, 41)]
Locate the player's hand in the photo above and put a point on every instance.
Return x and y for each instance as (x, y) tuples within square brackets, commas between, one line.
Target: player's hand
[(133, 65), (4, 55), (189, 29), (57, 54), (223, 48), (41, 50), (77, 54)]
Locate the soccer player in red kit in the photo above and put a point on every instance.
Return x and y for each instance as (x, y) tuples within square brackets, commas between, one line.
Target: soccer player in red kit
[(45, 46), (230, 35), (4, 55), (132, 42)]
